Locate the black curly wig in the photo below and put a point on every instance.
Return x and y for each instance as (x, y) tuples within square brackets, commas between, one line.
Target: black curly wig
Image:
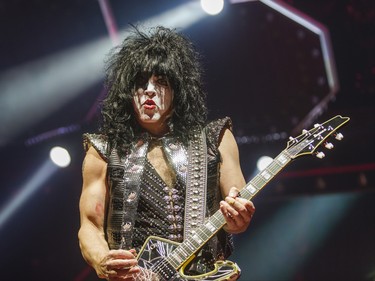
[(160, 51)]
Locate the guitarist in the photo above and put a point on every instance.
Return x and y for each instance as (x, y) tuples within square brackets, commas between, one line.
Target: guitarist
[(156, 167)]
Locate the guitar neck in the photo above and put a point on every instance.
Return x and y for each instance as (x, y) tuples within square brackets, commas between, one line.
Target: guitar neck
[(201, 235)]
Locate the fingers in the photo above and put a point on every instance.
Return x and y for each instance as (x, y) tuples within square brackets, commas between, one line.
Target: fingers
[(236, 202), (124, 274), (237, 211), (122, 254), (249, 205), (120, 265)]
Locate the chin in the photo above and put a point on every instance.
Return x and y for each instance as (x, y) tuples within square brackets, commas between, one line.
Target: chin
[(150, 119)]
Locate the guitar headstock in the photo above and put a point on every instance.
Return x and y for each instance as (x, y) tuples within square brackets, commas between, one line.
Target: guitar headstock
[(309, 141)]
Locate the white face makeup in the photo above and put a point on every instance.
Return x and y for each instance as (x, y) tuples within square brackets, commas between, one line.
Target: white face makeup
[(152, 99)]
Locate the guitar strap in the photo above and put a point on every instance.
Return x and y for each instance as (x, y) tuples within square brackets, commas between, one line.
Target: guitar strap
[(125, 193), (191, 170)]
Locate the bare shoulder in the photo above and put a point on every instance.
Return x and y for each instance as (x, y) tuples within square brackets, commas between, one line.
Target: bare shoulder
[(228, 143), (93, 163)]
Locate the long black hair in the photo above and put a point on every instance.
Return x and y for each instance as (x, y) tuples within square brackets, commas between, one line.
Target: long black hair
[(161, 51)]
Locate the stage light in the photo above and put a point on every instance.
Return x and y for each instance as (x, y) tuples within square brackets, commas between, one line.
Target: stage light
[(182, 16), (45, 171), (212, 7), (263, 162), (59, 78), (60, 156), (39, 88)]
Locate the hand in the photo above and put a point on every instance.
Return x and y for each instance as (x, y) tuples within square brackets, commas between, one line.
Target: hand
[(237, 212), (118, 265)]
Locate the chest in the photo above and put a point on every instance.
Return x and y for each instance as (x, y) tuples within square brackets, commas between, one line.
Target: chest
[(156, 156)]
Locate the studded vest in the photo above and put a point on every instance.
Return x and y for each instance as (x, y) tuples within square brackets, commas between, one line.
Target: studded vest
[(147, 206)]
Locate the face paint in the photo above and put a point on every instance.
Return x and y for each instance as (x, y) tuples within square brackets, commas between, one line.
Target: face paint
[(153, 99)]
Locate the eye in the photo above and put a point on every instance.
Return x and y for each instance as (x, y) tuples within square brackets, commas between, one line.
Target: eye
[(141, 81), (163, 81)]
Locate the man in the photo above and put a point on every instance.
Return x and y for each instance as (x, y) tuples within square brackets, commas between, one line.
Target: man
[(157, 169)]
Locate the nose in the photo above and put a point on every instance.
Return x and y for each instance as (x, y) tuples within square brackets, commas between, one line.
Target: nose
[(150, 89)]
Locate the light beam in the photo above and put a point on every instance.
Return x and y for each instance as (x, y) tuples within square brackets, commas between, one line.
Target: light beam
[(33, 91), (45, 171)]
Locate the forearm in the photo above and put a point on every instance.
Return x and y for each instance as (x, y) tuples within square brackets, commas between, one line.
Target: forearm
[(93, 246)]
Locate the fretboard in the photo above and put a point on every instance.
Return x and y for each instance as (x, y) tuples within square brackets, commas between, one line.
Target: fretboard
[(201, 235)]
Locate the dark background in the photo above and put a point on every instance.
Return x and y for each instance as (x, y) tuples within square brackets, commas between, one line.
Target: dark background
[(315, 221)]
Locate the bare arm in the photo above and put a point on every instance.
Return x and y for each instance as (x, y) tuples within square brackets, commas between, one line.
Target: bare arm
[(107, 263), (237, 211), (230, 169)]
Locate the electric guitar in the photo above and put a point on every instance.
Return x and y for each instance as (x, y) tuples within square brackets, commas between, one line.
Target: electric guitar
[(161, 259)]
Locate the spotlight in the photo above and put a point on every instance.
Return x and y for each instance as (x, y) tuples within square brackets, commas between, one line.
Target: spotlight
[(212, 7), (60, 156)]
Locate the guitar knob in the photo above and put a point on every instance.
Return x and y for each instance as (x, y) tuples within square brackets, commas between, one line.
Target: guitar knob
[(320, 155), (328, 145), (339, 136), (317, 125)]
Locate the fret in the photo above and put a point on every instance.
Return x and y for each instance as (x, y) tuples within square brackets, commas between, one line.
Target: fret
[(189, 244), (174, 259), (258, 181), (251, 188), (206, 232), (177, 258), (210, 226), (283, 158), (183, 250), (262, 179), (274, 167), (193, 239), (247, 194), (197, 238), (218, 219), (187, 250), (171, 261), (266, 174), (202, 234)]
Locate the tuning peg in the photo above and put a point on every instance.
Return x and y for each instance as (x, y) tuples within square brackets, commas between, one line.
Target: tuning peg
[(328, 145), (320, 155), (294, 140), (304, 131), (317, 125), (339, 136)]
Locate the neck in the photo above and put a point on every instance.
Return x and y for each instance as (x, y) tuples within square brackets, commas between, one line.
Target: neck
[(158, 129)]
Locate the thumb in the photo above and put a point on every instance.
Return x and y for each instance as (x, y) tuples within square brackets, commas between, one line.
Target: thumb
[(233, 192)]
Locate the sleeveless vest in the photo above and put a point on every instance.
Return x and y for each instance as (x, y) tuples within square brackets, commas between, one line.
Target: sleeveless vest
[(141, 204)]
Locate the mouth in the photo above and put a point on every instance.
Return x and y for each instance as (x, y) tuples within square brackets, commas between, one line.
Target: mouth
[(149, 104)]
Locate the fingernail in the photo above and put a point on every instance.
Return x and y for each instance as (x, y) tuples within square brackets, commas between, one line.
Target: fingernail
[(233, 194)]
